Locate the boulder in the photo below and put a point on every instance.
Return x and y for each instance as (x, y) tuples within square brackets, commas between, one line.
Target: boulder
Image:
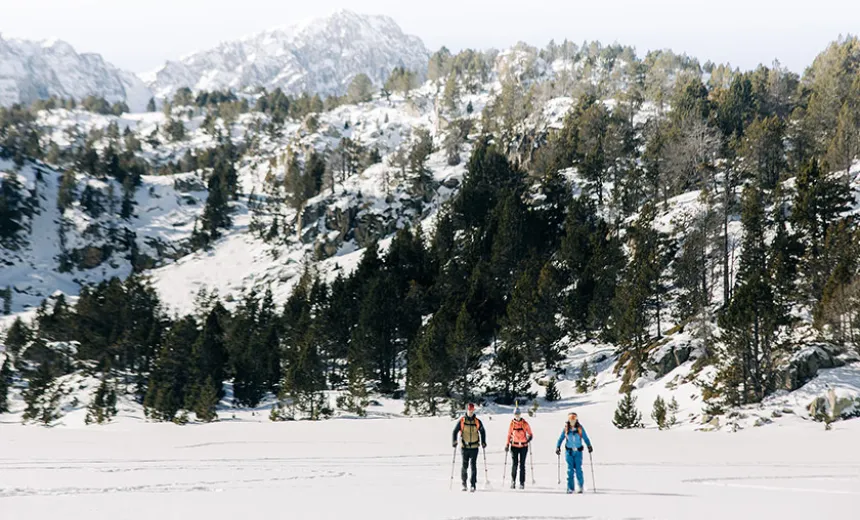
[(761, 421), (804, 365), (669, 357)]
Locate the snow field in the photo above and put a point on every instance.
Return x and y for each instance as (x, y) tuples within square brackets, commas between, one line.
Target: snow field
[(401, 468)]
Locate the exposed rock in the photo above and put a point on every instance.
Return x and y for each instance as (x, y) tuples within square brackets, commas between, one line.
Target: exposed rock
[(669, 357), (451, 183), (761, 421), (804, 365)]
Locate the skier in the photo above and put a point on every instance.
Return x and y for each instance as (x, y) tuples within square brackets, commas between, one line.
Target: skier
[(519, 437), (573, 437), (472, 436)]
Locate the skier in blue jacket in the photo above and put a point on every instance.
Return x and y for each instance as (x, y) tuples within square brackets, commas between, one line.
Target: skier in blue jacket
[(575, 440)]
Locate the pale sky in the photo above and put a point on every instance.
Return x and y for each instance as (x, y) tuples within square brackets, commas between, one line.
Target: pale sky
[(139, 35)]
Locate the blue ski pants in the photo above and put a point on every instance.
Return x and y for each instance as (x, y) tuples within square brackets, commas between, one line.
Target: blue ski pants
[(574, 465)]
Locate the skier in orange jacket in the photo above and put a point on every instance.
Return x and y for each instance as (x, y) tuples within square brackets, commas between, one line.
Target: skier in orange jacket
[(519, 437)]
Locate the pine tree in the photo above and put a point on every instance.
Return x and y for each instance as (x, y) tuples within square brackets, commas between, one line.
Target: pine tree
[(552, 394), (66, 192), (819, 201), (216, 213), (509, 370), (465, 354), (639, 297), (430, 366), (360, 89), (585, 382), (5, 384), (356, 398), (659, 413), (12, 210), (102, 407), (626, 415), (747, 365), (171, 378), (150, 106), (673, 413), (207, 401)]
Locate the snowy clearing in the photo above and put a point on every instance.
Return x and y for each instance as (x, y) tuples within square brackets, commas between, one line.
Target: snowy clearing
[(400, 468)]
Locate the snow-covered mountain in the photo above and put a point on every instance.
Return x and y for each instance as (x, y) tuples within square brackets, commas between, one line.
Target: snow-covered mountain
[(320, 56), (31, 70)]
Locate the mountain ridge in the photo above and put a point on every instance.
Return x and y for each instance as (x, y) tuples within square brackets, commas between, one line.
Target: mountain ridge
[(318, 56)]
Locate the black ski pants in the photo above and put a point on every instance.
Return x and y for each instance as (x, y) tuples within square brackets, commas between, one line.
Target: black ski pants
[(519, 455), (470, 458)]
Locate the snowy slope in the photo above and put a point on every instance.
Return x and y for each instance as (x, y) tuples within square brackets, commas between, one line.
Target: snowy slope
[(320, 56), (37, 70)]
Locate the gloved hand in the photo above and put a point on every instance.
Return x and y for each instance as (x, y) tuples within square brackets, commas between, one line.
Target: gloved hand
[(558, 451), (590, 449), (529, 439), (580, 448), (507, 447), (454, 445), (484, 445)]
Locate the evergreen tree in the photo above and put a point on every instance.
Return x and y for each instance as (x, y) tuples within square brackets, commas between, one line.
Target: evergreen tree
[(428, 377), (210, 351), (552, 394), (626, 415), (216, 213), (818, 202), (360, 89), (5, 384), (509, 370), (586, 381), (171, 376), (659, 413), (207, 401), (102, 407), (12, 210), (66, 192), (465, 355), (150, 106), (673, 413), (751, 319), (638, 299)]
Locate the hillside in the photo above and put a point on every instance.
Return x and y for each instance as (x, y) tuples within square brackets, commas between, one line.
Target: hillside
[(521, 218)]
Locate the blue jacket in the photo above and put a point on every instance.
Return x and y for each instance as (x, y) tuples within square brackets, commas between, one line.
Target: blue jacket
[(571, 438)]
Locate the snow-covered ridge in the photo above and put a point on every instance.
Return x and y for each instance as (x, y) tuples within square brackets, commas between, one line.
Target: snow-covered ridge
[(320, 56), (32, 70)]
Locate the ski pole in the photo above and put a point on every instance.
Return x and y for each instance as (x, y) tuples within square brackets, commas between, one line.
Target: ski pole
[(532, 464), (486, 471), (453, 465), (558, 454), (505, 468), (591, 463)]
